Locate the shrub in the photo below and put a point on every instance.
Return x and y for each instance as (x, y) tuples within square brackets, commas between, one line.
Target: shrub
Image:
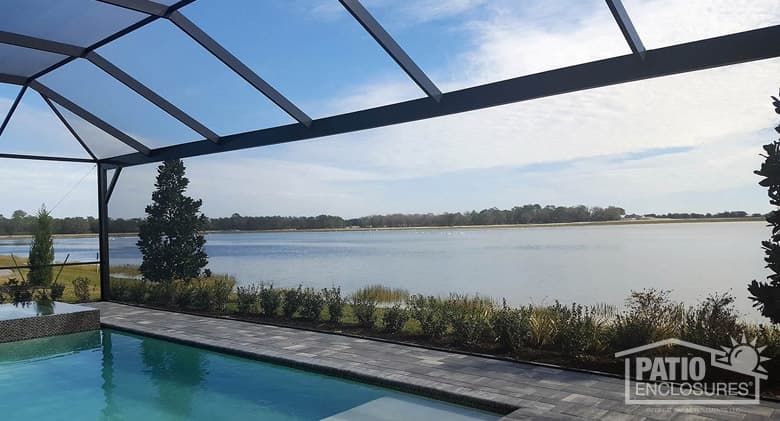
[(580, 330), (364, 307), (56, 290), (183, 294), (136, 292), (542, 326), (220, 294), (80, 289), (511, 327), (394, 318), (312, 304), (429, 311), (712, 321), (293, 299), (201, 296), (270, 300), (119, 290), (650, 316), (471, 319), (247, 298), (335, 303)]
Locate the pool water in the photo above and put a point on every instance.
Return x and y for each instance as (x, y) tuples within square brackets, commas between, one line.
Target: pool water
[(115, 375)]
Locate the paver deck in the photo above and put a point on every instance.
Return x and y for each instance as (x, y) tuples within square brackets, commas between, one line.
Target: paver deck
[(528, 391)]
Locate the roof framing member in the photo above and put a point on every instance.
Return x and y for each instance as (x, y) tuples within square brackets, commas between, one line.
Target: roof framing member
[(627, 27), (698, 55), (46, 158), (68, 126), (239, 67), (151, 96), (12, 109), (90, 118), (364, 17), (114, 71), (217, 50), (143, 22)]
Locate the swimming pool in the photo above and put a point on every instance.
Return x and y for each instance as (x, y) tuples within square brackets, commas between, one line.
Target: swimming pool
[(109, 374)]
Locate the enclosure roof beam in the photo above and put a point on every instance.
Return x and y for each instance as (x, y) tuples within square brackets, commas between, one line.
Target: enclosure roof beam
[(218, 51), (114, 71), (151, 96), (40, 44), (239, 67), (46, 158), (12, 79), (392, 48), (143, 6), (112, 184), (12, 109), (68, 126), (627, 27), (698, 55), (116, 35), (90, 118)]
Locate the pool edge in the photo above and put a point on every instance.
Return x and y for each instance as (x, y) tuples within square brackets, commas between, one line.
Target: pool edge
[(485, 404)]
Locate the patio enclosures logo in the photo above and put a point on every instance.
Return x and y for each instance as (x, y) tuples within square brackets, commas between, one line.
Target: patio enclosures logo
[(693, 374)]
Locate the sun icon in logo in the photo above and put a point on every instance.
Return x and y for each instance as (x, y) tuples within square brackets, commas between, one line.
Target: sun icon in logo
[(744, 356)]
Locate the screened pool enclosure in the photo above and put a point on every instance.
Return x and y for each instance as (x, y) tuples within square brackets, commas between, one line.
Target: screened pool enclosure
[(113, 72)]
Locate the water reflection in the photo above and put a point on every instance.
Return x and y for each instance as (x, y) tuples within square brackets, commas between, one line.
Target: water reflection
[(177, 373)]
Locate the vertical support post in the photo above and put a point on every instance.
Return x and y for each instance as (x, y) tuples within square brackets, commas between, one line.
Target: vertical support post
[(102, 177)]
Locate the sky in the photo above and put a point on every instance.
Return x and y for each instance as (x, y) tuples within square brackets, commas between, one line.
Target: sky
[(684, 143)]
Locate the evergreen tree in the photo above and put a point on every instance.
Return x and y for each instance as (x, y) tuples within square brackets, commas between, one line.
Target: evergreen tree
[(41, 250), (766, 295), (170, 239)]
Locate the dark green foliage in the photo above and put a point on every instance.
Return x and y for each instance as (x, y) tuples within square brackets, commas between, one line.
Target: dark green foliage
[(394, 318), (312, 303), (136, 292), (247, 299), (80, 289), (183, 294), (431, 314), (56, 290), (270, 300), (650, 316), (364, 308), (293, 298), (170, 239), (41, 251), (766, 295), (221, 290), (511, 326), (334, 302), (471, 319), (712, 321)]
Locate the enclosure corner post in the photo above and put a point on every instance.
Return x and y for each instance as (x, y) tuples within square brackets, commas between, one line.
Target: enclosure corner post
[(102, 177)]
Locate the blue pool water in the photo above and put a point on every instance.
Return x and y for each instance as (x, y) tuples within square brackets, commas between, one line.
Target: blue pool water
[(114, 375)]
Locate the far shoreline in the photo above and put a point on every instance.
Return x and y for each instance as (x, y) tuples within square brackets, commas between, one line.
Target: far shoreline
[(453, 227)]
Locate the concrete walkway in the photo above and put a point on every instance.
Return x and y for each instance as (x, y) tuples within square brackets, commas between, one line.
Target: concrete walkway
[(525, 390)]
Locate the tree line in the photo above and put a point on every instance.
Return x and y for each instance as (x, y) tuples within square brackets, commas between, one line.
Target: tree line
[(22, 223)]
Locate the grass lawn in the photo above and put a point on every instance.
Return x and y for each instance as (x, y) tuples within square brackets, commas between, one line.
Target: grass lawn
[(66, 277)]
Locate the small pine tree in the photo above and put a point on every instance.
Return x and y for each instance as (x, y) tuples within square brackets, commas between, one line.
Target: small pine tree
[(41, 250), (170, 239), (766, 295)]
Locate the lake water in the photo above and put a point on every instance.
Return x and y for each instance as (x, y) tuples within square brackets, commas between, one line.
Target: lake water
[(586, 264)]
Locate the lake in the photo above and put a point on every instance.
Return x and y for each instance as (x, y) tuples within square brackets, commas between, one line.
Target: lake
[(585, 264)]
